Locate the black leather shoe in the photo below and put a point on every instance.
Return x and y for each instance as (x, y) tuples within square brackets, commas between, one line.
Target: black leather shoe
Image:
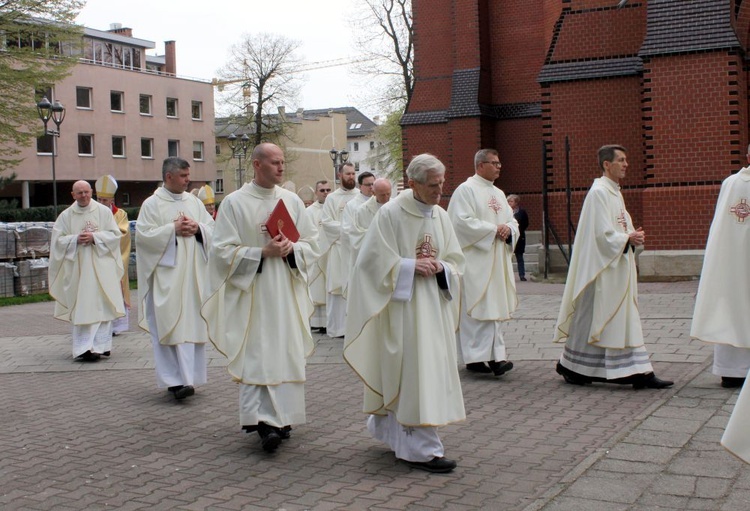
[(523, 279), (478, 367), (500, 368), (571, 376), (182, 391), (89, 357), (106, 353), (285, 433), (269, 437), (732, 383), (436, 465), (650, 381)]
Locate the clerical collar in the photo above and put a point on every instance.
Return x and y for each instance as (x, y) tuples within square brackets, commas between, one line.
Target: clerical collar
[(483, 180), (175, 196), (611, 182), (263, 192), (425, 209)]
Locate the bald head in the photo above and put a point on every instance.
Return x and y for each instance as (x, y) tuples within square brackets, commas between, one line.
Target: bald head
[(268, 164), (81, 193), (381, 188)]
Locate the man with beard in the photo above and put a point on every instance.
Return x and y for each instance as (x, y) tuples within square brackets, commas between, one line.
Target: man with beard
[(337, 268)]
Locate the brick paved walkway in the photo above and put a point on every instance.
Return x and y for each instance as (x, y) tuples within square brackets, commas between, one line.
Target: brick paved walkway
[(101, 436)]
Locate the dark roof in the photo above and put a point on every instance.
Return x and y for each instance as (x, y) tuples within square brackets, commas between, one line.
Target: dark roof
[(589, 69), (357, 123), (432, 117), (225, 126), (464, 93), (678, 26)]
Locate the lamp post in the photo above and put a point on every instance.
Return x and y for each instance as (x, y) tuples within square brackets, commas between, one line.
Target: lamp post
[(338, 158), (56, 112), (239, 151)]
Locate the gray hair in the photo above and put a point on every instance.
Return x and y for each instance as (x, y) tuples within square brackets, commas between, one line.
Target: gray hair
[(514, 197), (422, 164), (482, 154), (172, 165)]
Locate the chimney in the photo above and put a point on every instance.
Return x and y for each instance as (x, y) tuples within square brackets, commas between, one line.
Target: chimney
[(170, 58), (117, 28), (282, 112)]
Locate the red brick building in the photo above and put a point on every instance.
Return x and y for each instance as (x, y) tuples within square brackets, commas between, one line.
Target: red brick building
[(668, 79)]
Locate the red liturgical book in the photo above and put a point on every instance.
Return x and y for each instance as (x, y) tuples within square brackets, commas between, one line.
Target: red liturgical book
[(281, 222)]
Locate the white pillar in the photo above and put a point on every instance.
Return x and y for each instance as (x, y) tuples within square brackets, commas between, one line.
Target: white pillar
[(24, 195)]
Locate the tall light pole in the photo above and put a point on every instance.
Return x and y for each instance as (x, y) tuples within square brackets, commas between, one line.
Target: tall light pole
[(239, 151), (56, 112), (338, 158)]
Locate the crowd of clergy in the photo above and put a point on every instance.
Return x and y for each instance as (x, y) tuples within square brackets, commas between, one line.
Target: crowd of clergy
[(410, 287)]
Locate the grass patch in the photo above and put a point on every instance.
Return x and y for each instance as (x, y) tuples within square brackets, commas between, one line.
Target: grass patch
[(133, 284), (20, 300)]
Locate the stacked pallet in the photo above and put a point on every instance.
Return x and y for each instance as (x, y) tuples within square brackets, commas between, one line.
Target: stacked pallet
[(24, 249)]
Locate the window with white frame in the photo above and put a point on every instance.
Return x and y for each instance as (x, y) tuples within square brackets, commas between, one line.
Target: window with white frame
[(173, 148), (171, 107), (44, 144), (219, 186), (83, 97), (145, 104), (125, 196), (196, 110), (85, 145), (118, 146), (116, 101), (147, 148), (355, 146), (198, 150)]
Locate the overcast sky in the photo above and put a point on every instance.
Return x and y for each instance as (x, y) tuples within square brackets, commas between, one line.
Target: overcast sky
[(204, 30)]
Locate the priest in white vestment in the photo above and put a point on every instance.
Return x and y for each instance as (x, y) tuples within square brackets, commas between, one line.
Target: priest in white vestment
[(337, 262), (402, 317), (365, 180), (736, 438), (722, 306), (172, 236), (487, 230), (106, 187), (84, 273), (259, 308), (599, 319), (318, 273), (363, 216)]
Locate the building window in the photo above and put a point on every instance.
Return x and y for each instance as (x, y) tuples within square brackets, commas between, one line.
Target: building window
[(44, 144), (171, 107), (356, 167), (118, 147), (219, 186), (116, 101), (372, 145), (198, 150), (355, 146), (145, 101), (218, 149), (173, 148), (85, 145), (197, 110), (147, 148), (83, 97), (125, 196)]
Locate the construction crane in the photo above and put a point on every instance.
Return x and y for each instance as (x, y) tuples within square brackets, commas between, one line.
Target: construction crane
[(312, 66)]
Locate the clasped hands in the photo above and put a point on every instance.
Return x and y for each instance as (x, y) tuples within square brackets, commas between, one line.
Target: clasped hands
[(185, 226), (86, 238), (279, 246), (637, 237), (427, 267), (503, 231)]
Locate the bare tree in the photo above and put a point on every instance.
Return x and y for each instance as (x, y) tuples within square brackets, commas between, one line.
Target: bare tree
[(384, 36), (258, 77)]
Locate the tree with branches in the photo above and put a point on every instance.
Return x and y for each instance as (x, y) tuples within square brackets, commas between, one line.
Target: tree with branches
[(259, 77), (41, 46)]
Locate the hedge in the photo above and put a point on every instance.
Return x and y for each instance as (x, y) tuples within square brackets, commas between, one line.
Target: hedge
[(46, 213)]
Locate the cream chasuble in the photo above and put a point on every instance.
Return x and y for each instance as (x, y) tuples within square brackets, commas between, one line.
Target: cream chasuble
[(347, 226), (85, 279), (121, 218), (722, 306), (361, 222), (333, 209), (258, 310), (403, 347), (173, 268), (476, 209), (600, 259), (318, 272)]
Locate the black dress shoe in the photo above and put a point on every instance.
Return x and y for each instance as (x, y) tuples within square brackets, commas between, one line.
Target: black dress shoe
[(571, 376), (269, 437), (322, 330), (523, 279), (182, 391), (89, 357), (650, 381), (285, 433), (732, 383), (500, 368), (106, 353), (436, 465), (478, 367)]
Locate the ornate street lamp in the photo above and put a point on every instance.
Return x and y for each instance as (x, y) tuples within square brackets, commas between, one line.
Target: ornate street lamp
[(239, 151), (338, 158), (56, 112)]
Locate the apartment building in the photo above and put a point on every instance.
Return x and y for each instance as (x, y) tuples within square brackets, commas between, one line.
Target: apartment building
[(125, 112)]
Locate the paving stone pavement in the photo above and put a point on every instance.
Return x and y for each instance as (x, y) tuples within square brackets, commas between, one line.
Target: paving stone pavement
[(100, 436)]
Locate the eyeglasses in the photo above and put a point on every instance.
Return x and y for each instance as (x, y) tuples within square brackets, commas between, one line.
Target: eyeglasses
[(324, 190), (495, 163)]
